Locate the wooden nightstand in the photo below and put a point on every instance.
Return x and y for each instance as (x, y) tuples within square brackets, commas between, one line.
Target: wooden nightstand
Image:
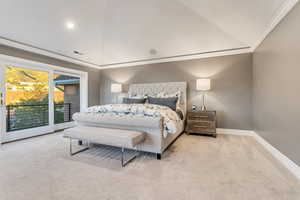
[(202, 122)]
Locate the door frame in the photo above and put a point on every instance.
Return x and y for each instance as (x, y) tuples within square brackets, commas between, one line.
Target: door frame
[(51, 69), (2, 105)]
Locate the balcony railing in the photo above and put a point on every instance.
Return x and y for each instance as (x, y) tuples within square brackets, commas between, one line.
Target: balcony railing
[(20, 117)]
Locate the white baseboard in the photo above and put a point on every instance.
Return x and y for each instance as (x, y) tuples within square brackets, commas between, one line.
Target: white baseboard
[(288, 163), (234, 132)]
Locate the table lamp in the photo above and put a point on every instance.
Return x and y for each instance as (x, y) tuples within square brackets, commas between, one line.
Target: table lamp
[(203, 85), (116, 88)]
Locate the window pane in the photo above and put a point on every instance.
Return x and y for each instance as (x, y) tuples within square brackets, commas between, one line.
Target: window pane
[(26, 98), (66, 97)]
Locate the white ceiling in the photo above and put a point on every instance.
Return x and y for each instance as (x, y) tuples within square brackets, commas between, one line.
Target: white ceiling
[(108, 32)]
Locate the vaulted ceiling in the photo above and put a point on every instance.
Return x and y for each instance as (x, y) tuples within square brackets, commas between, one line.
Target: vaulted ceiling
[(114, 32)]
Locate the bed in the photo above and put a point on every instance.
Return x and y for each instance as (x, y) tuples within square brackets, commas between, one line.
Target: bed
[(156, 140)]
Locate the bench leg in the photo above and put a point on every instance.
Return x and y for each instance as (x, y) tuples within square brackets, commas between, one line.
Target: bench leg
[(79, 151), (158, 156), (123, 162)]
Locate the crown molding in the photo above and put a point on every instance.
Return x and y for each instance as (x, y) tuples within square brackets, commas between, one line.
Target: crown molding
[(278, 16), (224, 52), (52, 54), (45, 52)]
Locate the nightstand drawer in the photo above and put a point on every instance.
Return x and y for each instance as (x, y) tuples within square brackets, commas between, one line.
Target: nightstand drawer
[(202, 127), (201, 116)]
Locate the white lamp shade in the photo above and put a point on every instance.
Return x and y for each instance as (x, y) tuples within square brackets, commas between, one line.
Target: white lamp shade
[(116, 88), (203, 84)]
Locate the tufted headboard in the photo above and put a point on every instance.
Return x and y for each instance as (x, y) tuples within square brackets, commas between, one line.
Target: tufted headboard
[(155, 88)]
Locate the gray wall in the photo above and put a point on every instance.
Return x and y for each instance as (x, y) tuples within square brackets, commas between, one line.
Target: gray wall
[(231, 93), (276, 80), (94, 88)]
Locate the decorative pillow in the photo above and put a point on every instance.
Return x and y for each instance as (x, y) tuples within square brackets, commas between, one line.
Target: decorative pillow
[(133, 101), (136, 96), (167, 95), (169, 102), (176, 94)]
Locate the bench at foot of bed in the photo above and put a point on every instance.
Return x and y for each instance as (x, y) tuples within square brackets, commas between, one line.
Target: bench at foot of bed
[(124, 139)]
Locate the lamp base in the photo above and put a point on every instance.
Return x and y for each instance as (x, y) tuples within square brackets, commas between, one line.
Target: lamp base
[(203, 108)]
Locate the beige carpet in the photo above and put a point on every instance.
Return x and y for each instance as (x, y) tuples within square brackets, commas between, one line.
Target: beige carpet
[(229, 167)]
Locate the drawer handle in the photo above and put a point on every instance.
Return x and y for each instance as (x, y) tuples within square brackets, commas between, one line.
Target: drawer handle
[(200, 117), (200, 126)]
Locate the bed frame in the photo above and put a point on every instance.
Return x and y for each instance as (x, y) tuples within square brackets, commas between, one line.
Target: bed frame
[(155, 142), (153, 89)]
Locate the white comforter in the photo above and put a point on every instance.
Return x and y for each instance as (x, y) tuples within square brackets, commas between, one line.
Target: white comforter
[(171, 120)]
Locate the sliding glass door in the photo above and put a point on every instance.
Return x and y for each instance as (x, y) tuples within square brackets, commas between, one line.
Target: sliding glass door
[(36, 100), (26, 98)]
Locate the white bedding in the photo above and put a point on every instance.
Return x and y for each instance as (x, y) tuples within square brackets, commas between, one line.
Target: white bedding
[(170, 119)]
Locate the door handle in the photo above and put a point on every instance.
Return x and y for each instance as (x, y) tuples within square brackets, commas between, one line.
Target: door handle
[(1, 99)]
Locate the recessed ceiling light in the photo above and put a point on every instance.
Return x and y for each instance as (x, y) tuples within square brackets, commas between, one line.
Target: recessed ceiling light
[(153, 51), (78, 53), (70, 25)]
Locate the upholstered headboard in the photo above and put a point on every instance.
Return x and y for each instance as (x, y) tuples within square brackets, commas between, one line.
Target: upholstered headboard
[(155, 88)]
